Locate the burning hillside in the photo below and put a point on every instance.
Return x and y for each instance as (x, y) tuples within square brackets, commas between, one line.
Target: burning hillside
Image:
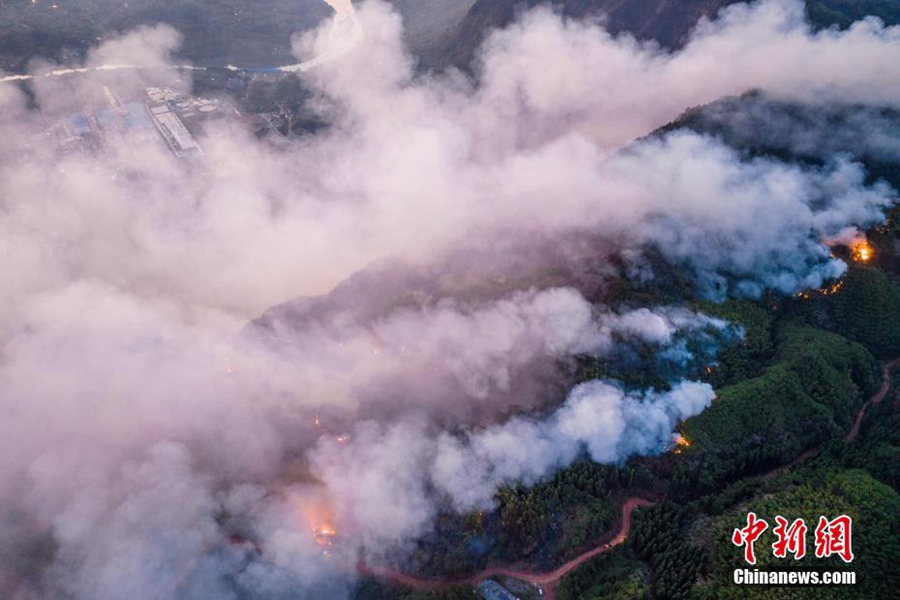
[(483, 243), (862, 251)]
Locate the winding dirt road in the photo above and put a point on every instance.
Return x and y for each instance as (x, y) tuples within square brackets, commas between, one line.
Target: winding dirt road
[(875, 399), (546, 579), (854, 431)]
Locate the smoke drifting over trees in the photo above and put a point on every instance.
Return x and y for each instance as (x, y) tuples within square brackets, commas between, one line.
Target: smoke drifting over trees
[(145, 423)]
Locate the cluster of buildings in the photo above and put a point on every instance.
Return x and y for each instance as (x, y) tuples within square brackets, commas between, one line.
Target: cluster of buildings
[(162, 116)]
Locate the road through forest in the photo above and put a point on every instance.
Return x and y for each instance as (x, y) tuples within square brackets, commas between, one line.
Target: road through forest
[(547, 580)]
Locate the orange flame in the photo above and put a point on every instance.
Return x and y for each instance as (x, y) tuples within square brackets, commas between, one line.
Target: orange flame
[(321, 523), (862, 250), (825, 291), (833, 289), (324, 534), (681, 443), (311, 510)]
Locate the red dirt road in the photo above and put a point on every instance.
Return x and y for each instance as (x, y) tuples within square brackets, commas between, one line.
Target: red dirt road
[(545, 579), (854, 431)]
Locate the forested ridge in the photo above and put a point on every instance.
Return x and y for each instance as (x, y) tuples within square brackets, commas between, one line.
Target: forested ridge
[(788, 390)]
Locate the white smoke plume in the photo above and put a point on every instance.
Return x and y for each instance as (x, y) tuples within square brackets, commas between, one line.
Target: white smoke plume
[(154, 446), (455, 356), (390, 480), (574, 76), (345, 34), (768, 125)]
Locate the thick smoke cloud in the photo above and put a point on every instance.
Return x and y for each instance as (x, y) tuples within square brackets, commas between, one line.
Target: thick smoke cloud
[(458, 360), (153, 445), (766, 206), (391, 479), (760, 122), (616, 90)]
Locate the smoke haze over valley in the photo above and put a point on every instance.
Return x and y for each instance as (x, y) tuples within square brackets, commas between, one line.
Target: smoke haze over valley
[(204, 362)]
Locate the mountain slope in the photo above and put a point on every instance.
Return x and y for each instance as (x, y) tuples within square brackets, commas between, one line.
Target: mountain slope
[(666, 21), (215, 32)]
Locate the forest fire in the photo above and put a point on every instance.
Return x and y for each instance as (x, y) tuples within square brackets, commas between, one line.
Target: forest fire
[(862, 250), (313, 514), (321, 522), (324, 534), (681, 443), (825, 291), (833, 289)]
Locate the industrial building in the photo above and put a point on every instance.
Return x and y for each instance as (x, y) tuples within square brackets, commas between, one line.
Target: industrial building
[(491, 590), (166, 115), (174, 132)]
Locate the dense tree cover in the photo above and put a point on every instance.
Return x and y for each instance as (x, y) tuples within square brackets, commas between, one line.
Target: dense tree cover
[(633, 367), (867, 309), (372, 589), (544, 524), (842, 13), (786, 387), (668, 285), (783, 388), (874, 507), (458, 545), (660, 538), (808, 394), (877, 449), (685, 542), (685, 550), (833, 370), (614, 575), (886, 238), (805, 387), (550, 520), (788, 391), (739, 361)]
